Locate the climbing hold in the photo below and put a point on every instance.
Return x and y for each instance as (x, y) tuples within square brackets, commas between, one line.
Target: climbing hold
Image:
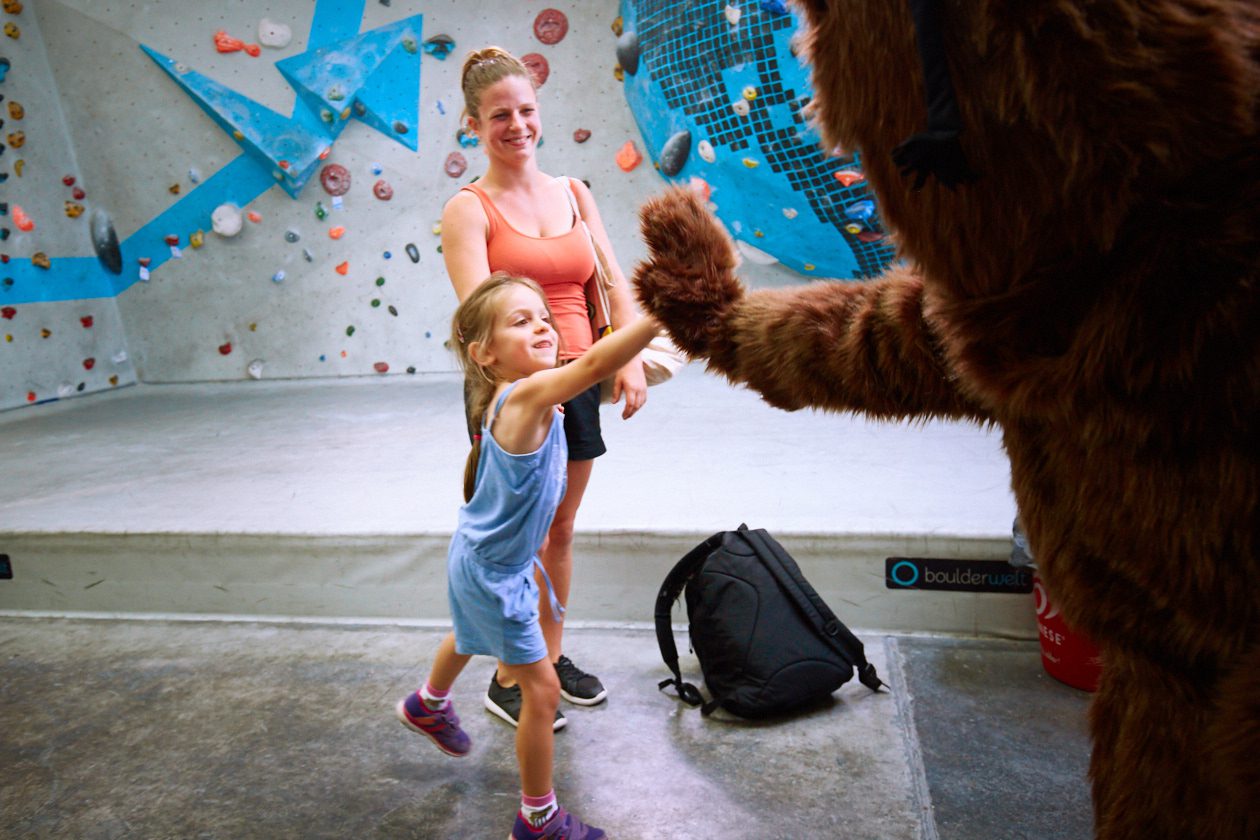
[(849, 177), (73, 209), (4, 67), (197, 238), (376, 302), (335, 179), (789, 212), (68, 180), (387, 255), (705, 150), (145, 262), (732, 14), (307, 255), (18, 165), (11, 29), (78, 194), (437, 228), (409, 44), (13, 7), (255, 369), (749, 93), (45, 333), (628, 156), (194, 176), (320, 212), (278, 277), (861, 210), (617, 25), (411, 370), (774, 7), (376, 169), (17, 139), (336, 232), (16, 111), (172, 240), (413, 252), (291, 235), (343, 268), (225, 43), (581, 135), (254, 217), (628, 52), (272, 34), (105, 241), (225, 348), (538, 67), (226, 220), (674, 154), (400, 127), (40, 260), (86, 321), (381, 367), (741, 107), (467, 140), (382, 190), (439, 46), (751, 164), (618, 73), (21, 220), (337, 203), (88, 364), (7, 313), (870, 236), (350, 330), (173, 189), (393, 311), (380, 281), (551, 26), (456, 164)]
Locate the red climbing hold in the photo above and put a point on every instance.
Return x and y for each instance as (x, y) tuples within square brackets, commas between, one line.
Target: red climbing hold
[(88, 364), (7, 313), (381, 367), (225, 348), (538, 67), (86, 321), (551, 26), (68, 180)]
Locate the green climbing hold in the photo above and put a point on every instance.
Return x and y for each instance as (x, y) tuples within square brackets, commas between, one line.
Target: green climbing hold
[(380, 281), (349, 330), (376, 302)]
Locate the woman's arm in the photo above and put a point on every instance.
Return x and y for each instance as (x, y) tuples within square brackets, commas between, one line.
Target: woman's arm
[(630, 380), (464, 227)]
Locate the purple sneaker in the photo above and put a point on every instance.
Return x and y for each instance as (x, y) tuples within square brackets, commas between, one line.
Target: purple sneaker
[(561, 826), (442, 727)]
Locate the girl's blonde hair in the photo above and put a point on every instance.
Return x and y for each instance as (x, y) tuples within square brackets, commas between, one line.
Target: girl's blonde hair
[(474, 323), (483, 68)]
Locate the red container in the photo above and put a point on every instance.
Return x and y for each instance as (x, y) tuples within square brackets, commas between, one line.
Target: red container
[(1067, 656)]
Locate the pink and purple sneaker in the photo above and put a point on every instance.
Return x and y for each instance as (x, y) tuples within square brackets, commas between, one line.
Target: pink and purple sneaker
[(561, 826), (442, 726)]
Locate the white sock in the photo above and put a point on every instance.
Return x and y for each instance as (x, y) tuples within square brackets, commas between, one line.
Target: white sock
[(434, 699), (538, 809)]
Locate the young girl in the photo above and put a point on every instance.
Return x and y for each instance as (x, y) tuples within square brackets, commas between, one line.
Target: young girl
[(513, 482)]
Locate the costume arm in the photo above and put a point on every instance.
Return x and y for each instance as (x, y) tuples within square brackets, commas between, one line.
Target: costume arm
[(842, 346)]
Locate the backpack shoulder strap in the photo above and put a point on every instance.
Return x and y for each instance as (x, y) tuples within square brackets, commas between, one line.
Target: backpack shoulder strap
[(788, 574), (682, 572)]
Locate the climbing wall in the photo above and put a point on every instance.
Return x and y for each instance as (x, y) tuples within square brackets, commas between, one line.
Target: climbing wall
[(51, 347), (262, 193)]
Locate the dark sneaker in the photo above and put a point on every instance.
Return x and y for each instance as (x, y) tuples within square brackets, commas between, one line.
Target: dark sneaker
[(506, 703), (561, 826), (577, 686), (442, 727)]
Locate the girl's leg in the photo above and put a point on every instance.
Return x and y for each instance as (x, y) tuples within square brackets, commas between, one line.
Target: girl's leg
[(540, 695), (447, 665), (557, 555)]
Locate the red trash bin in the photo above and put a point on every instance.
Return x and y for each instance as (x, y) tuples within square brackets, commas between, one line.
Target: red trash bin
[(1067, 656)]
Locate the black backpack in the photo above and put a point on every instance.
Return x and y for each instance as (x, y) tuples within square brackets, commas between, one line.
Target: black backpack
[(767, 643)]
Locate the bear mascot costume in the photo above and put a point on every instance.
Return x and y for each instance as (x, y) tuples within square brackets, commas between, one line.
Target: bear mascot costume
[(1074, 187)]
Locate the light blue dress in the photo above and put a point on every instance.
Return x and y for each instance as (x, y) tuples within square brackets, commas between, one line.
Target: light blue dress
[(490, 564)]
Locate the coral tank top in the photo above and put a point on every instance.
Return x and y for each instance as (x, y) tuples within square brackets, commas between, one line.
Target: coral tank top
[(560, 264)]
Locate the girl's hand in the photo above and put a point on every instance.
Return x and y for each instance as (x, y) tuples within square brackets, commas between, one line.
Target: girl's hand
[(630, 382)]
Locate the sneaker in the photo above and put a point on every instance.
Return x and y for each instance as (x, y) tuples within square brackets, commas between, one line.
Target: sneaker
[(561, 826), (442, 727), (506, 703), (577, 686)]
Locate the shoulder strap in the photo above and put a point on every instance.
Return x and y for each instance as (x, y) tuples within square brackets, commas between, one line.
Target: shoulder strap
[(788, 574), (494, 415), (682, 572), (492, 212)]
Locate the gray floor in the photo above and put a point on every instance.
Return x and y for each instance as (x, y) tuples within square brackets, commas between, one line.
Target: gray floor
[(143, 729)]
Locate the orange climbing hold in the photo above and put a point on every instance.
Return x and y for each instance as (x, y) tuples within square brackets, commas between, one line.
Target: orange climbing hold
[(628, 156), (336, 232), (225, 43), (343, 268), (254, 217), (849, 177), (21, 220)]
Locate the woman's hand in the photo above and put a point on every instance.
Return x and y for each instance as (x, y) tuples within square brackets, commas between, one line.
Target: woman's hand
[(630, 382)]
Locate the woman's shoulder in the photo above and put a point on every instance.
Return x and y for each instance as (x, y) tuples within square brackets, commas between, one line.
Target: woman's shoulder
[(464, 206)]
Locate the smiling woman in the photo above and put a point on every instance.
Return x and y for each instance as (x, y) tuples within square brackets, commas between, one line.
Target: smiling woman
[(520, 220)]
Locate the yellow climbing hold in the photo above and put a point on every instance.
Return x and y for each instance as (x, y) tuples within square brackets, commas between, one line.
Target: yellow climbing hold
[(751, 164), (12, 31), (18, 166), (809, 266), (17, 139), (197, 238), (750, 93), (74, 209), (852, 228), (16, 111), (40, 259)]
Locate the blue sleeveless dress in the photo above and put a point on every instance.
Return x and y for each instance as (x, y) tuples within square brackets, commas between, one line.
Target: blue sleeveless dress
[(490, 564)]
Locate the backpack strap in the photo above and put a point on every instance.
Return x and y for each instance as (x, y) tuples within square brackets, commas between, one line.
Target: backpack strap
[(788, 574), (682, 572)]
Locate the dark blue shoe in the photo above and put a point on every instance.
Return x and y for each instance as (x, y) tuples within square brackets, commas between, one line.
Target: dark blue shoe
[(442, 727), (561, 826)]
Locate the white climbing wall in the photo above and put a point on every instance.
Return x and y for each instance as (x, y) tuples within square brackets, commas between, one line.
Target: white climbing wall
[(148, 156)]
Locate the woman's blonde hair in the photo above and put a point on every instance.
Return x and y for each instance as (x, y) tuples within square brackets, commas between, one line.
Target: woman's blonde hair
[(473, 323), (483, 68)]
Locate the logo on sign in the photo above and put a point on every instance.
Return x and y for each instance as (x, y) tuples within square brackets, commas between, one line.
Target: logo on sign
[(956, 575)]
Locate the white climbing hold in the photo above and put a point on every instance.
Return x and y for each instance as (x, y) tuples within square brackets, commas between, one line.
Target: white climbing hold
[(272, 34), (255, 369), (705, 149), (226, 220)]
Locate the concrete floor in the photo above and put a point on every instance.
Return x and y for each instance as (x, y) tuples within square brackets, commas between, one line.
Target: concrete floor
[(310, 519), (151, 729)]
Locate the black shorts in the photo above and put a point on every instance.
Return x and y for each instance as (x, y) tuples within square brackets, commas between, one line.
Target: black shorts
[(581, 424)]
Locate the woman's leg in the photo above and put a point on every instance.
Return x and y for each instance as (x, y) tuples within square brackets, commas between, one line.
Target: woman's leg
[(557, 555), (540, 695)]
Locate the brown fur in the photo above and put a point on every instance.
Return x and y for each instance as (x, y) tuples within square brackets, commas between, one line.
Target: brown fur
[(1093, 294)]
